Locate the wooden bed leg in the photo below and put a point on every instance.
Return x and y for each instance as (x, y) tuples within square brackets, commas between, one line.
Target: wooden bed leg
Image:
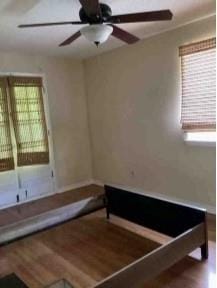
[(204, 251), (107, 213), (107, 209), (204, 248)]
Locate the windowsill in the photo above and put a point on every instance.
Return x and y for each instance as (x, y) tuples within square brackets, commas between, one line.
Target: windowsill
[(207, 139)]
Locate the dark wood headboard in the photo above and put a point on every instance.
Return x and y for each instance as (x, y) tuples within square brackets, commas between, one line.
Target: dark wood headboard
[(166, 217)]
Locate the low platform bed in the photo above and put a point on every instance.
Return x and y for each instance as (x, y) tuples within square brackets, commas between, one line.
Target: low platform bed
[(187, 225)]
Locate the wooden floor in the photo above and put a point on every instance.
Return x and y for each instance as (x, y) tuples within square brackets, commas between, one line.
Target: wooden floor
[(86, 250), (16, 213), (83, 251)]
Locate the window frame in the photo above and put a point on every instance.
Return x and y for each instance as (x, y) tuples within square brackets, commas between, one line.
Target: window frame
[(31, 157), (194, 136), (199, 139), (47, 117)]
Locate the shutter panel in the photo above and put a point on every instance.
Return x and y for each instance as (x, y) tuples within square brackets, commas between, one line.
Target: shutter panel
[(6, 149), (29, 120), (198, 64)]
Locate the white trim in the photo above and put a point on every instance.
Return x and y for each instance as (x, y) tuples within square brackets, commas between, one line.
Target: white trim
[(200, 143), (46, 108), (206, 139), (49, 128), (210, 209), (7, 74)]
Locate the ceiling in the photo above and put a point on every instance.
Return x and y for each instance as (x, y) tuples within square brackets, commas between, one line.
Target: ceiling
[(45, 41)]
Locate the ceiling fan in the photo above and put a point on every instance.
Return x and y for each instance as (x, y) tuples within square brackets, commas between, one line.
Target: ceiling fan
[(101, 23)]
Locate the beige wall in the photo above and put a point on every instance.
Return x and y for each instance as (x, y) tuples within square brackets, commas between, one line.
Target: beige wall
[(134, 113), (67, 105), (133, 96)]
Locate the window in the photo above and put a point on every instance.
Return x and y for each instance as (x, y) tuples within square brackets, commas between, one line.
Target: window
[(198, 64), (27, 120)]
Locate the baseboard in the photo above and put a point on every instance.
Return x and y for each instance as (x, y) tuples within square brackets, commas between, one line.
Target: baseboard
[(76, 185), (210, 209), (98, 182)]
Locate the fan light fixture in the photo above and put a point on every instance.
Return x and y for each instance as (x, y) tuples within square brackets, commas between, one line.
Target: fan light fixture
[(102, 23), (97, 33)]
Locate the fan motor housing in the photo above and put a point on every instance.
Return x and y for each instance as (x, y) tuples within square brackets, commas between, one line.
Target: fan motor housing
[(106, 13)]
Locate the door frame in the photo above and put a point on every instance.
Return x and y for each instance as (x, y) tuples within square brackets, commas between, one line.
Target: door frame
[(49, 131)]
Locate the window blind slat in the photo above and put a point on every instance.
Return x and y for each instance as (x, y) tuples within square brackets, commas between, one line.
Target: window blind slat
[(198, 86), (29, 120), (6, 149)]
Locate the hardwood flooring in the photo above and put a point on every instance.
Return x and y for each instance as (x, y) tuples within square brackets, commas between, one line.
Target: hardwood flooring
[(83, 251), (190, 272), (88, 249)]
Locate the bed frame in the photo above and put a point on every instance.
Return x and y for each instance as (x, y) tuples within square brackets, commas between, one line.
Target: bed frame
[(186, 225)]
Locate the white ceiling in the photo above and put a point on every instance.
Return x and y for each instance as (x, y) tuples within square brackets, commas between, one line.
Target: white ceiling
[(45, 41)]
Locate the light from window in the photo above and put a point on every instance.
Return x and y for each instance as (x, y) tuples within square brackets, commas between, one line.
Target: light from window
[(198, 111), (29, 120), (207, 137), (24, 98)]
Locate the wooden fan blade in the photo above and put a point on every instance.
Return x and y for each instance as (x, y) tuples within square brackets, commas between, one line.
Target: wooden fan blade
[(124, 35), (143, 17), (71, 39), (91, 7), (50, 24)]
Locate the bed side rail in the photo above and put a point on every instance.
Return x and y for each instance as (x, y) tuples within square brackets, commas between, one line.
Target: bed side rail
[(152, 264)]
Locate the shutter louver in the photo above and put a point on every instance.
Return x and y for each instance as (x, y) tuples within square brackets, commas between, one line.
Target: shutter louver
[(6, 149), (29, 120), (198, 62)]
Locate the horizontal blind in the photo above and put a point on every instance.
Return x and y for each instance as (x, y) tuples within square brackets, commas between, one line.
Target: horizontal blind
[(198, 64), (29, 120), (6, 149)]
